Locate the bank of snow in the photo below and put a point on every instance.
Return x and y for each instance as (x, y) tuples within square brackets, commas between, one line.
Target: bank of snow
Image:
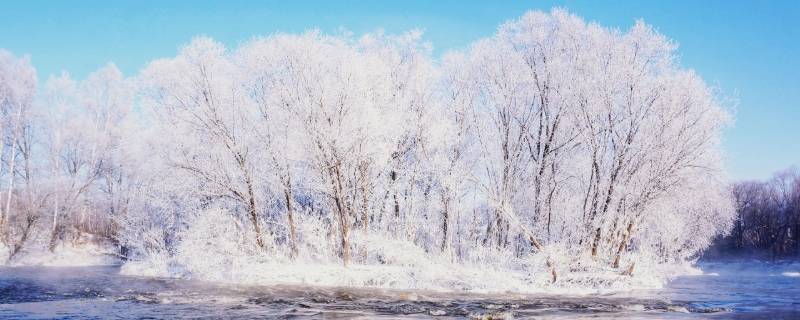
[(65, 255), (394, 264), (437, 277)]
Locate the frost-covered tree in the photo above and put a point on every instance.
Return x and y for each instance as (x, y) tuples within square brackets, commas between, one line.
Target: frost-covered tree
[(575, 118), (17, 93), (553, 146), (200, 103), (82, 143), (324, 102)]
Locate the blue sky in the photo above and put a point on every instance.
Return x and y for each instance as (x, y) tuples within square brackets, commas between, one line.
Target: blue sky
[(749, 49)]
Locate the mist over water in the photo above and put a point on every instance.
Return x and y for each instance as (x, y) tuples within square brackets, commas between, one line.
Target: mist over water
[(725, 290)]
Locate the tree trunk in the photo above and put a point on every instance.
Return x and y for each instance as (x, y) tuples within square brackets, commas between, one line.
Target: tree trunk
[(251, 208), (445, 222), (287, 191), (622, 245), (595, 242), (338, 198), (54, 232), (629, 271), (11, 177), (251, 196), (550, 264), (17, 245), (365, 206)]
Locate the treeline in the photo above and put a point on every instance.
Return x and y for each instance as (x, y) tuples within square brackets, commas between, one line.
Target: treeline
[(553, 139), (767, 218), (63, 181)]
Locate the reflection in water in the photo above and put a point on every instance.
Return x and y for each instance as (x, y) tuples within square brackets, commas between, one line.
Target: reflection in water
[(730, 291)]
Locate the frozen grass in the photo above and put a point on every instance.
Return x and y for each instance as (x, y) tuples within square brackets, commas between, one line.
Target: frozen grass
[(394, 264), (433, 276), (214, 248)]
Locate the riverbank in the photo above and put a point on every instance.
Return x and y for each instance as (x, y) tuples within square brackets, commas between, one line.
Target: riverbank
[(528, 276), (83, 253), (720, 292)]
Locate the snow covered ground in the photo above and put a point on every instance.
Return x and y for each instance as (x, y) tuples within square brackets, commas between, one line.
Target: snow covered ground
[(85, 254), (414, 273), (439, 277)]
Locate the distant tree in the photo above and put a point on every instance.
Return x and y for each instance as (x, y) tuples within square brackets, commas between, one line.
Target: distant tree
[(767, 217), (17, 92)]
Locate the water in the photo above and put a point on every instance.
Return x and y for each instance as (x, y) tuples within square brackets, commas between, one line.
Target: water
[(740, 290)]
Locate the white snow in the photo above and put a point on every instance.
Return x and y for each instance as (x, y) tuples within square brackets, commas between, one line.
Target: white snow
[(407, 271), (65, 255)]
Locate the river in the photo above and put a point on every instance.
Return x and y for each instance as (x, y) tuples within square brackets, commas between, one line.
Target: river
[(726, 290)]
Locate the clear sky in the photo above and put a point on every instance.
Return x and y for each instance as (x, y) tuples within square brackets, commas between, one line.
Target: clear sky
[(749, 49)]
